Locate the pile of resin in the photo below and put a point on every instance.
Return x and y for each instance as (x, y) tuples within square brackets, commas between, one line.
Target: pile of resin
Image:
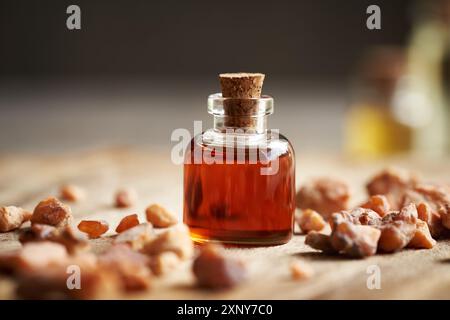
[(402, 212)]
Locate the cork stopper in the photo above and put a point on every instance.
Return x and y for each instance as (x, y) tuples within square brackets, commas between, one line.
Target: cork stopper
[(241, 90), (241, 85)]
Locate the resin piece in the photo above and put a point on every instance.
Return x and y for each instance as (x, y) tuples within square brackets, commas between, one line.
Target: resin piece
[(392, 183), (354, 240), (137, 236), (160, 217), (53, 212), (11, 218), (301, 271), (93, 228), (398, 229), (164, 263), (66, 236), (320, 241), (422, 237), (127, 222), (324, 195), (33, 256), (175, 240), (72, 193), (126, 198), (310, 220), (379, 204), (131, 266), (214, 270)]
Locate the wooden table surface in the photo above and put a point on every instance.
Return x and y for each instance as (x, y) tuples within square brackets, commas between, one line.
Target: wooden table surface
[(25, 179)]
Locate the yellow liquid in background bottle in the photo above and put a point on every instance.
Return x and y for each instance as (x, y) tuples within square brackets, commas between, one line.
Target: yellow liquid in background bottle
[(372, 131)]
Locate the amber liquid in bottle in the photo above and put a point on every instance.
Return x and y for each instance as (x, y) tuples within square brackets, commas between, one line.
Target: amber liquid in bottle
[(233, 203)]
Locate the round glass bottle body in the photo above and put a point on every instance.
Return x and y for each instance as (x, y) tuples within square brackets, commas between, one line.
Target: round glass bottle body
[(239, 184)]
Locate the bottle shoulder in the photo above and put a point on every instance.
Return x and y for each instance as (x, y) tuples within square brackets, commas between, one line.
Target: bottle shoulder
[(271, 140)]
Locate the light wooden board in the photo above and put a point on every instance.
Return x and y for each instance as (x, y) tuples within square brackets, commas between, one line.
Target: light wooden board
[(25, 179)]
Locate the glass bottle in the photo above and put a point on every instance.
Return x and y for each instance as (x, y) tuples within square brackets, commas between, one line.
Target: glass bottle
[(239, 177), (374, 127), (428, 51)]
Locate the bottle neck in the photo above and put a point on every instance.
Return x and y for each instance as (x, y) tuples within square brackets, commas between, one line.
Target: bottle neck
[(247, 116), (241, 124)]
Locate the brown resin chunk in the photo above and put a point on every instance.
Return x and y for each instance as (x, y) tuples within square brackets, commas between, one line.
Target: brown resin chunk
[(324, 195), (53, 212), (131, 266), (176, 239), (66, 236), (422, 237), (431, 217), (320, 241), (359, 216), (52, 283), (12, 218), (137, 236), (434, 193), (301, 271), (310, 220), (164, 263), (354, 240), (93, 228), (127, 222), (126, 198), (398, 229), (392, 183), (379, 204), (33, 256), (444, 213), (160, 217), (72, 193), (431, 201), (59, 281), (37, 232), (402, 188), (214, 270)]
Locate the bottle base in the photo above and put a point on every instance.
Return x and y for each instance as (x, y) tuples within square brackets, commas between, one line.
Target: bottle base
[(241, 238)]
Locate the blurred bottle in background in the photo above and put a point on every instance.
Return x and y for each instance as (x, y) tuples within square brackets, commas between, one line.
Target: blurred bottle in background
[(428, 76), (401, 103), (372, 127)]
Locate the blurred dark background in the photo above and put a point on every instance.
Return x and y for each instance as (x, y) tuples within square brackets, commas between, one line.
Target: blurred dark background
[(122, 38), (139, 69)]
